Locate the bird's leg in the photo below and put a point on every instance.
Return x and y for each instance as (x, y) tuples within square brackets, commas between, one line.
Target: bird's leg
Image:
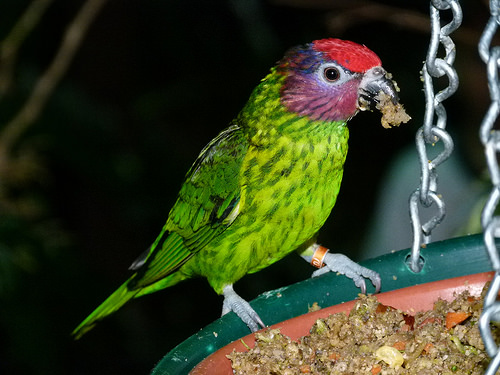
[(325, 261), (233, 302)]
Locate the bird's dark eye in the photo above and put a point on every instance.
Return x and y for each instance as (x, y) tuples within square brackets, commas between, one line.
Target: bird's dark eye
[(331, 74)]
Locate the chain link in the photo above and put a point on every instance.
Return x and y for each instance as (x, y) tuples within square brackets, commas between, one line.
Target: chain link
[(432, 132), (490, 139)]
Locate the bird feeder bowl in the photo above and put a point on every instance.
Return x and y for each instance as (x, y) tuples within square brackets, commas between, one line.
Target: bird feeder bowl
[(448, 267)]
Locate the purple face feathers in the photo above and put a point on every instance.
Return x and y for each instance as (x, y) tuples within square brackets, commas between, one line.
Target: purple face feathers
[(307, 89)]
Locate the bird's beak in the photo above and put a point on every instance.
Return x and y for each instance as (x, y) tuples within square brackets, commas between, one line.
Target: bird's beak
[(376, 84)]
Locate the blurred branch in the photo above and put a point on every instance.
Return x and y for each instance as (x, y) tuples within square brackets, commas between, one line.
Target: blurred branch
[(349, 13), (24, 167), (45, 85), (403, 18), (13, 41)]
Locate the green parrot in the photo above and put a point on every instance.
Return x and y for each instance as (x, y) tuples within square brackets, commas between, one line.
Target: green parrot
[(266, 185)]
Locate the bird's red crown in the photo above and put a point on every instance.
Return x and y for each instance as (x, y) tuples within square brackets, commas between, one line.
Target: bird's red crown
[(353, 56)]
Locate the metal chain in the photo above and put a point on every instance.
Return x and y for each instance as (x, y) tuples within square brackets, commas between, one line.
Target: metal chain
[(490, 138), (431, 133)]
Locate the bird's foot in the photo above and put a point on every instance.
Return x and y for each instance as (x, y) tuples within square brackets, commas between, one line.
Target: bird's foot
[(233, 302), (342, 264), (328, 262)]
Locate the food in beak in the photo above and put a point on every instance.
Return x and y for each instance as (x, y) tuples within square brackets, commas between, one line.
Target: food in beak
[(377, 89)]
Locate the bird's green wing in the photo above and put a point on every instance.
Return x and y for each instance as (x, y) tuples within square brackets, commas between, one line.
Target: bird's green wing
[(207, 204)]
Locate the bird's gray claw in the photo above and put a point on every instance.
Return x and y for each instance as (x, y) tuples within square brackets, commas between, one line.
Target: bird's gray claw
[(360, 283), (233, 302), (342, 264)]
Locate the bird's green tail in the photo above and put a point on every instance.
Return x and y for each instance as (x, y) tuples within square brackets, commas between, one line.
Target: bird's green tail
[(109, 306), (121, 296)]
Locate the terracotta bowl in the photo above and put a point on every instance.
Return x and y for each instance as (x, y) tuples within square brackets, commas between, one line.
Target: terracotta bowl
[(411, 299)]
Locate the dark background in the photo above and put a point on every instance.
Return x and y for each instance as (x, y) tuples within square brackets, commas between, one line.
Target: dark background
[(152, 83)]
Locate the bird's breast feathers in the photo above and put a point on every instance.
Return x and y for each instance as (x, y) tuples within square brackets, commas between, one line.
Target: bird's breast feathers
[(292, 187)]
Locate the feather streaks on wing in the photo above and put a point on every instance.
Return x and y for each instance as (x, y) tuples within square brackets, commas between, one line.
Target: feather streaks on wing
[(209, 201)]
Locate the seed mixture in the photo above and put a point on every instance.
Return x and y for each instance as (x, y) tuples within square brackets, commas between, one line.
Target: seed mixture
[(377, 339)]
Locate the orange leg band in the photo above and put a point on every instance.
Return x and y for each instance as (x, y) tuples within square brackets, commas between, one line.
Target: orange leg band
[(318, 256)]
